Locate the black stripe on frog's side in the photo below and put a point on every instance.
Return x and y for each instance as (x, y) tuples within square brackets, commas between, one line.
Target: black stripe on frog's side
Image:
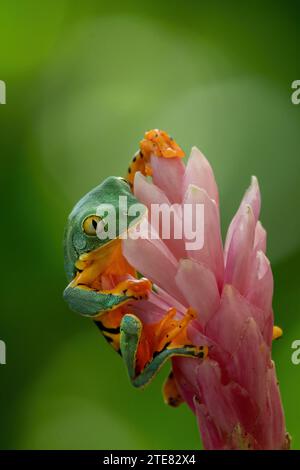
[(106, 332), (109, 339), (103, 328)]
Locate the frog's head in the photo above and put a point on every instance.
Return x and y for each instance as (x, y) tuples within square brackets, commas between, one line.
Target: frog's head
[(81, 231)]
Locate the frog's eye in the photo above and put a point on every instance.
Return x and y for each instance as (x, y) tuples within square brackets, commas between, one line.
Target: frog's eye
[(90, 225)]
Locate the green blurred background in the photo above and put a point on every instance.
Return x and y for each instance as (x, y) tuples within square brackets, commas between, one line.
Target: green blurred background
[(84, 81)]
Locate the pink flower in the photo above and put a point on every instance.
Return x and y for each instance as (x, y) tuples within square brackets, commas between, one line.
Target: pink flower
[(234, 391)]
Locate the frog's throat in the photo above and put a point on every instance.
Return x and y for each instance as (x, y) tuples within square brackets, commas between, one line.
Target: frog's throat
[(99, 268), (106, 271)]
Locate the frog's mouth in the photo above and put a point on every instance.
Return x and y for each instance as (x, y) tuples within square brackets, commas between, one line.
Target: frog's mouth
[(103, 268)]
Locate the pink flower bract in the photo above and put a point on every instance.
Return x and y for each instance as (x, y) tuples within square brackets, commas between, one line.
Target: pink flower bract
[(234, 391)]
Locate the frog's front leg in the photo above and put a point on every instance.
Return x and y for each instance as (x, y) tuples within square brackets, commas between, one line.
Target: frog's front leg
[(167, 341), (91, 303), (106, 307)]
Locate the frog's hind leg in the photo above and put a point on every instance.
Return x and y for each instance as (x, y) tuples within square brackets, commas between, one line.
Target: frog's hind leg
[(159, 342), (130, 334), (154, 366)]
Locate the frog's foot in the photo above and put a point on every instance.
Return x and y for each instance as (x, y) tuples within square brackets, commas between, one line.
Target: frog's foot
[(160, 144), (145, 348), (155, 142), (171, 394), (171, 333)]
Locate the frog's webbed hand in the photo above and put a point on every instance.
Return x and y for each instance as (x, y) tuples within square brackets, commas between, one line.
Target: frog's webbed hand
[(146, 348)]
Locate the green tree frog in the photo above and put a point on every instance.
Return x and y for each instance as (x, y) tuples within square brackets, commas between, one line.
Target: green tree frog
[(103, 287)]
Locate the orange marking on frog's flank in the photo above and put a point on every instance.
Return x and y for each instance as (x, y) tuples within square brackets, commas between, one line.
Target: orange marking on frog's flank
[(155, 142), (109, 324), (168, 332), (171, 393)]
